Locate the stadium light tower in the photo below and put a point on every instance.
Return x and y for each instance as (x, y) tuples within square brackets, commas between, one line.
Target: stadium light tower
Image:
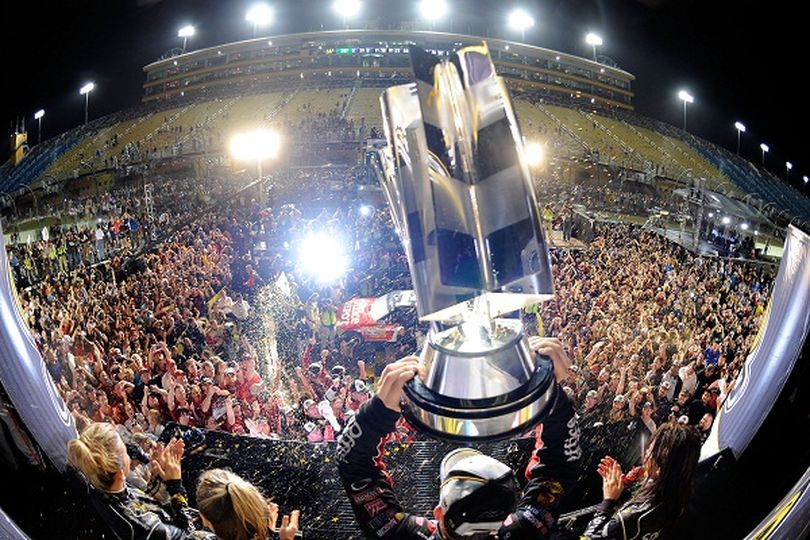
[(432, 10), (788, 168), (347, 9), (185, 33), (85, 91), (257, 146), (520, 19), (595, 41), (740, 129), (765, 149), (38, 117), (259, 15), (686, 97)]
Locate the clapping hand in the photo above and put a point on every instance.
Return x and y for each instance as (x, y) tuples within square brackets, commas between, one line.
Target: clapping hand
[(289, 524), (165, 460), (611, 473)]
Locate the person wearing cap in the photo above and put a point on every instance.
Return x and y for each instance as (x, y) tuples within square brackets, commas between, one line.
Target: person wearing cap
[(592, 410), (617, 411), (478, 495)]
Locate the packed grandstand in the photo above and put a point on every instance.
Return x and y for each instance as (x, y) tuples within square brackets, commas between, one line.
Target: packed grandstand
[(164, 285)]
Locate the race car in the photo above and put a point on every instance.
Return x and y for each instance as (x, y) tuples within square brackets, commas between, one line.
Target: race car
[(377, 319)]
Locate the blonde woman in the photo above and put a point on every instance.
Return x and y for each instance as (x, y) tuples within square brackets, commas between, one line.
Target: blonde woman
[(235, 510), (100, 454)]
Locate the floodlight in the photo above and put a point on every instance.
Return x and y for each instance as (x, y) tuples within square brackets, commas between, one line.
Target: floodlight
[(740, 126), (764, 147), (347, 8), (87, 88), (366, 210), (593, 39), (39, 114), (744, 226), (711, 215), (726, 220), (805, 179), (259, 15), (322, 256), (686, 97), (534, 154), (186, 31), (433, 10), (255, 145), (789, 165), (520, 19)]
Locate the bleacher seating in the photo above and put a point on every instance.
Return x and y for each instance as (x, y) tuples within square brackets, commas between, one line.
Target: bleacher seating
[(621, 138)]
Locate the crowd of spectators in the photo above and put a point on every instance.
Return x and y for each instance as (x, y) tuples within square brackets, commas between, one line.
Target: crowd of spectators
[(180, 333)]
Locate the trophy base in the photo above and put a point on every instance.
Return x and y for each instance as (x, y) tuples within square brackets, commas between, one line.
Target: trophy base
[(491, 394)]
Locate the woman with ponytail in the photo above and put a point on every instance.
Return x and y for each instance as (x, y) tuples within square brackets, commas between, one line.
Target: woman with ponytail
[(660, 503), (235, 510), (100, 454)]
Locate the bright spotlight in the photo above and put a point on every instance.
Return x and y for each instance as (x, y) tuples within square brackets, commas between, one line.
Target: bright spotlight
[(686, 96), (87, 88), (433, 10), (520, 19), (255, 145), (347, 8), (365, 210), (805, 179), (322, 257), (764, 147), (740, 126), (186, 31), (711, 215), (726, 220), (39, 114), (593, 39), (260, 15), (789, 165), (744, 226), (534, 154)]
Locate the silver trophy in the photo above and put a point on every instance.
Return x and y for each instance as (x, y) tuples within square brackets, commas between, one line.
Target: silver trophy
[(461, 198)]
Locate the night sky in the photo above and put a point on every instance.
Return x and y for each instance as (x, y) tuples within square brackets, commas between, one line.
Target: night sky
[(741, 61)]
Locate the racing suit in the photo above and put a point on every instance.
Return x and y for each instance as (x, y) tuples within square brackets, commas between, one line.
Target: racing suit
[(551, 469), (642, 519), (135, 515)]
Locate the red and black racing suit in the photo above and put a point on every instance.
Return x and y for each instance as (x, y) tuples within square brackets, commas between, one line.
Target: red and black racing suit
[(551, 471)]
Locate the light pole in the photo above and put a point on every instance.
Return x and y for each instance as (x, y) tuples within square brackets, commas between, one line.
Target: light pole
[(520, 19), (684, 96), (38, 117), (347, 9), (765, 149), (788, 167), (805, 179), (740, 129), (259, 15), (432, 10), (595, 41), (85, 91), (185, 33), (257, 146)]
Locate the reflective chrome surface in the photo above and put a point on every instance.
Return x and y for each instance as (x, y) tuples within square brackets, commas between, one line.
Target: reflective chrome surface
[(452, 425), (466, 362)]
